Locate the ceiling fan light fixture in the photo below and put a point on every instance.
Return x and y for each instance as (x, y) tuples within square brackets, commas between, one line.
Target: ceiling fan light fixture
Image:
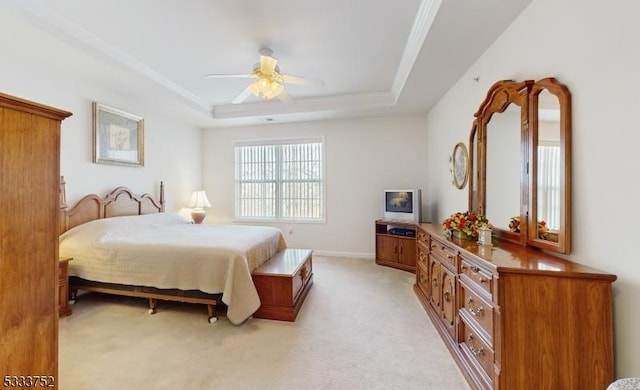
[(276, 88), (266, 88), (264, 85), (267, 81)]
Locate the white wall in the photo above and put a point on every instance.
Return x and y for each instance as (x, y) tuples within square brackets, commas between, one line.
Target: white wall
[(363, 157), (38, 73), (589, 46)]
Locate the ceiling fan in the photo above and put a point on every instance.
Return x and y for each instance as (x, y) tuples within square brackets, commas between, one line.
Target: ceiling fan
[(268, 81)]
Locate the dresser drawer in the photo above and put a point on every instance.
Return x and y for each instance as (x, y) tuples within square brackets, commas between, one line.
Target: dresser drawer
[(422, 278), (478, 310), (477, 350), (422, 256), (422, 238), (447, 254), (482, 278)]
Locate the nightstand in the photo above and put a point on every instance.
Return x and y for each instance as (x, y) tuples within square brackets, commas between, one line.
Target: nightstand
[(63, 286)]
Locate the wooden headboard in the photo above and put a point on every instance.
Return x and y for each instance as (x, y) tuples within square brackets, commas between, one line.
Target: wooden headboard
[(119, 202)]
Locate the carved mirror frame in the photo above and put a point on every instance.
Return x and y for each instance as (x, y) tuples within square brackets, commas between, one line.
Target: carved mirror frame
[(525, 95)]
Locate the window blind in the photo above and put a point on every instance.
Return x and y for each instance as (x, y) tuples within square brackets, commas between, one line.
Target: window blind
[(280, 180)]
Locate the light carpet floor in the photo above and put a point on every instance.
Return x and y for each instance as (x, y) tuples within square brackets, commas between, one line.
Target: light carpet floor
[(361, 327)]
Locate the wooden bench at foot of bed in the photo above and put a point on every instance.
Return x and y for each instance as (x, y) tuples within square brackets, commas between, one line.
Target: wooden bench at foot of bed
[(282, 283)]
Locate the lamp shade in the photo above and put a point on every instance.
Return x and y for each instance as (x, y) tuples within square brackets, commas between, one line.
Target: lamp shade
[(266, 87), (199, 200)]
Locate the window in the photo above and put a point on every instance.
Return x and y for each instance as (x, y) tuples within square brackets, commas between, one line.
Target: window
[(280, 180)]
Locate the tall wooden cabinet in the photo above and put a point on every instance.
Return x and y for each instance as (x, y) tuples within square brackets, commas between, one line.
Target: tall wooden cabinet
[(29, 212), (517, 318)]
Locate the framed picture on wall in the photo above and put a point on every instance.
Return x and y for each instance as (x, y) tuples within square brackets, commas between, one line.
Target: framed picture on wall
[(118, 137)]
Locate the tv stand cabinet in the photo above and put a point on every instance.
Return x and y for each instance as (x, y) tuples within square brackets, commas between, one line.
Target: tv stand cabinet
[(393, 250)]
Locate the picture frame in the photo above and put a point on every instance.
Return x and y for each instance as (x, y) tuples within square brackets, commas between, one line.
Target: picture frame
[(460, 165), (118, 136)]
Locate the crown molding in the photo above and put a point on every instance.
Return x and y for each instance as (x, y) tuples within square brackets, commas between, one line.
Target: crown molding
[(70, 32), (52, 22), (303, 105), (421, 26)]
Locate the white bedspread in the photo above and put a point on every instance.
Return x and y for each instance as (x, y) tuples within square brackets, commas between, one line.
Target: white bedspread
[(166, 251)]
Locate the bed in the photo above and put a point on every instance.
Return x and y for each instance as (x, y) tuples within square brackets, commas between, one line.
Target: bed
[(126, 244)]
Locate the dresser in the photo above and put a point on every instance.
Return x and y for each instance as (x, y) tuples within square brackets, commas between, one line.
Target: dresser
[(516, 318), (29, 211)]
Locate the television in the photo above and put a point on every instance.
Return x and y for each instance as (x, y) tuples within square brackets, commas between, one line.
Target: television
[(402, 205)]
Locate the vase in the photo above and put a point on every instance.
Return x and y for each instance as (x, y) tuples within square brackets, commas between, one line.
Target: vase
[(459, 234)]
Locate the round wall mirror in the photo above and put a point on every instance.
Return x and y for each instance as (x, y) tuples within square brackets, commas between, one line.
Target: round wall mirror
[(460, 165)]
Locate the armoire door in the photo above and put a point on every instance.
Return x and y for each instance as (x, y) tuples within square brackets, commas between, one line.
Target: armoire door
[(29, 215)]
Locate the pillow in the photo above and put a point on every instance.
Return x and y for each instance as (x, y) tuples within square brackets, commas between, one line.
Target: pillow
[(100, 227)]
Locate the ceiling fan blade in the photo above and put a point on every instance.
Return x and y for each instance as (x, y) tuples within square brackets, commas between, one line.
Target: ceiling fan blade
[(229, 76), (243, 95), (267, 64), (288, 79), (285, 98)]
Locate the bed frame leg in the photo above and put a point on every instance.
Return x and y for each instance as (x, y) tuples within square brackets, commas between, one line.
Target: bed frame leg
[(152, 306), (73, 294), (211, 309)]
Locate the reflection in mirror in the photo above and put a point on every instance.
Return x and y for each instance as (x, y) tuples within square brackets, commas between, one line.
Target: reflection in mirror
[(549, 167), (503, 139)]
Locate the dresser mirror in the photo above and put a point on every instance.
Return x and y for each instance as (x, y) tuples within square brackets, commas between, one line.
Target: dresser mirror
[(550, 187), (473, 167), (519, 151), (503, 182)]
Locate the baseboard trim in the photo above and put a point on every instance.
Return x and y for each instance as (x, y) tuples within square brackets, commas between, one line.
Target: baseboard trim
[(359, 255)]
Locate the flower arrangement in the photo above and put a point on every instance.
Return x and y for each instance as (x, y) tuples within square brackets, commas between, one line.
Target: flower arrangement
[(514, 226), (467, 223)]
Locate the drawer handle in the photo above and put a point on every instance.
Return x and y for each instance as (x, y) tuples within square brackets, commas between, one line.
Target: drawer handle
[(473, 269), (476, 351), (447, 296), (475, 312)]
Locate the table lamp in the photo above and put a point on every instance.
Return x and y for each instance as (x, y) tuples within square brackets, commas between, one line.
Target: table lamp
[(198, 202)]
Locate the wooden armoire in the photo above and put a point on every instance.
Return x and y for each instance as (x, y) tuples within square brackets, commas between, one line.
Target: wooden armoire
[(29, 213)]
